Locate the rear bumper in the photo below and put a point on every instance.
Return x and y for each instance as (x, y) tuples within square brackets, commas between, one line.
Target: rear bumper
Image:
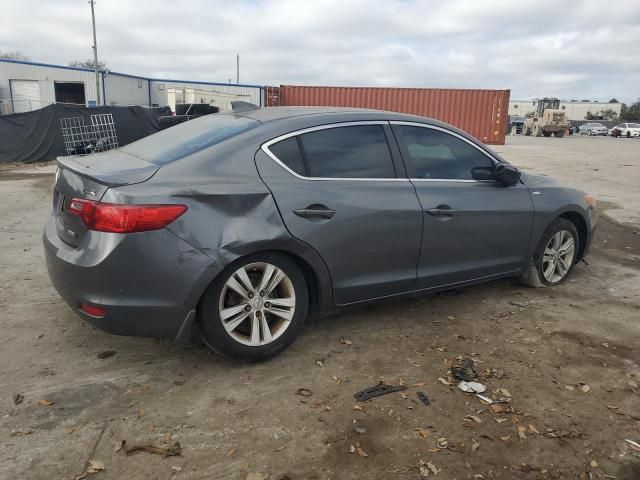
[(149, 283)]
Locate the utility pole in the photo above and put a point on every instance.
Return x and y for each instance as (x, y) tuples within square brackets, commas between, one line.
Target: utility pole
[(95, 51), (237, 69)]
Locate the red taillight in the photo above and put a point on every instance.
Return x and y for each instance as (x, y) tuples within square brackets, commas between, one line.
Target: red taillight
[(93, 310), (120, 218)]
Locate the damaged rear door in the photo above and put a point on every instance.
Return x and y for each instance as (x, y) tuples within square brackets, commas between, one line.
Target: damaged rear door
[(338, 190)]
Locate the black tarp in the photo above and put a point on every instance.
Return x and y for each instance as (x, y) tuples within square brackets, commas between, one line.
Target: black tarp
[(36, 136)]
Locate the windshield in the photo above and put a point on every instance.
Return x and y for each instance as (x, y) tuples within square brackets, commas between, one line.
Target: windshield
[(596, 125), (189, 137), (633, 125)]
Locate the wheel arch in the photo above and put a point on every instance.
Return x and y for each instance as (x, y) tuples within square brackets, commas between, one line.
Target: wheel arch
[(581, 226), (310, 263)]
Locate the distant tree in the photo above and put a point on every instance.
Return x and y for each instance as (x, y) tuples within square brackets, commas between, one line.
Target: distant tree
[(609, 114), (631, 112), (614, 100), (590, 116), (13, 56), (89, 64), (585, 100)]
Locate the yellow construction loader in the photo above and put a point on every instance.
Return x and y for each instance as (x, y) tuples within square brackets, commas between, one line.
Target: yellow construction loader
[(547, 120)]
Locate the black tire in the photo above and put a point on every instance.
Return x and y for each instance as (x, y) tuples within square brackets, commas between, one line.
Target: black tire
[(533, 275), (216, 337)]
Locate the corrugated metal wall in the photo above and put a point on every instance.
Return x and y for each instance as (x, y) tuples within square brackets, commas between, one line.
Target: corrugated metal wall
[(481, 113), (122, 90), (118, 88), (46, 76), (159, 90)]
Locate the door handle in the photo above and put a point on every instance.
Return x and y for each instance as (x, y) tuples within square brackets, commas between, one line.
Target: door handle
[(315, 211), (441, 211)]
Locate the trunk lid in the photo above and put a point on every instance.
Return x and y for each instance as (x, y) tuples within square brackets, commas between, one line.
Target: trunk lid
[(89, 177)]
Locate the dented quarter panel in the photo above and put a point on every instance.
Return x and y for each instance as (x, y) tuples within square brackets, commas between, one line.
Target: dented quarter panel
[(231, 212)]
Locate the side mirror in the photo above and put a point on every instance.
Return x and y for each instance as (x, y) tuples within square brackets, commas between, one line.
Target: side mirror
[(506, 174), (482, 173)]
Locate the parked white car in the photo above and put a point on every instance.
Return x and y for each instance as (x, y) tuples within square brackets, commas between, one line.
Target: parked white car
[(592, 128), (627, 130)]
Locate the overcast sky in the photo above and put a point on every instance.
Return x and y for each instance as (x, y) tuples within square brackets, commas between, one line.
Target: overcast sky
[(570, 49)]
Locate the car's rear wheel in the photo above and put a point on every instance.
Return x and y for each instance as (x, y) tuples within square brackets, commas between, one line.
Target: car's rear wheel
[(555, 256), (256, 308)]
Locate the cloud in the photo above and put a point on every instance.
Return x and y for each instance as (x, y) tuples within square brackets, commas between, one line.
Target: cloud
[(580, 49)]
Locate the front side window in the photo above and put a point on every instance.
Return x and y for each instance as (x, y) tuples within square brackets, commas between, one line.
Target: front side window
[(434, 154), (359, 151)]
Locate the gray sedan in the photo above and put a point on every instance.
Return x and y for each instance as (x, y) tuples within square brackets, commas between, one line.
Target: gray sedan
[(593, 128), (236, 228)]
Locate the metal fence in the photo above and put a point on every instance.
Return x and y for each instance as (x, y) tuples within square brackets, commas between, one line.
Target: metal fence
[(81, 138)]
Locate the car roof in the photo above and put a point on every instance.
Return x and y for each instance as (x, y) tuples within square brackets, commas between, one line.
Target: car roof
[(330, 114)]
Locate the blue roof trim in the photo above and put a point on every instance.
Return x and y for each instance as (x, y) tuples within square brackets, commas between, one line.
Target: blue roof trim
[(168, 80), (193, 82), (37, 64), (126, 75)]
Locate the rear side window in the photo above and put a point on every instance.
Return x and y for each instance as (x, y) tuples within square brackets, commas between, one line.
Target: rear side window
[(360, 151), (190, 137), (434, 154), (288, 153)]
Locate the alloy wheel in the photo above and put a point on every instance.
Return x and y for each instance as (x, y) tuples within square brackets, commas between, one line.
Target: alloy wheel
[(257, 304), (558, 256)]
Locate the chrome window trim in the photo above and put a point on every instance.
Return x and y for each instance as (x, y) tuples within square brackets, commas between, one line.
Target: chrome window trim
[(435, 127), (265, 148)]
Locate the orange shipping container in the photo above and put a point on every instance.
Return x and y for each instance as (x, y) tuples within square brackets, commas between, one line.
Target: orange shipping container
[(481, 113)]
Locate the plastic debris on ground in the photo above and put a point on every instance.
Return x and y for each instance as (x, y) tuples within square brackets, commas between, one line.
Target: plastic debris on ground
[(164, 450), (380, 389), (472, 387)]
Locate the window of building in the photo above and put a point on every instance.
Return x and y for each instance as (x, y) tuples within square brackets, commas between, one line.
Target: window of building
[(434, 154), (139, 83)]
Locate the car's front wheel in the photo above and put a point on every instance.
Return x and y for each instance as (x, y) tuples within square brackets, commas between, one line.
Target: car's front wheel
[(256, 308), (555, 256)]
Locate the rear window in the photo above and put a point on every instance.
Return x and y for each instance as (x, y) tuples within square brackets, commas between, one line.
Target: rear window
[(190, 137)]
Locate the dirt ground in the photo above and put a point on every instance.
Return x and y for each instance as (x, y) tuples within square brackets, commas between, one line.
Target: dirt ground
[(568, 358)]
